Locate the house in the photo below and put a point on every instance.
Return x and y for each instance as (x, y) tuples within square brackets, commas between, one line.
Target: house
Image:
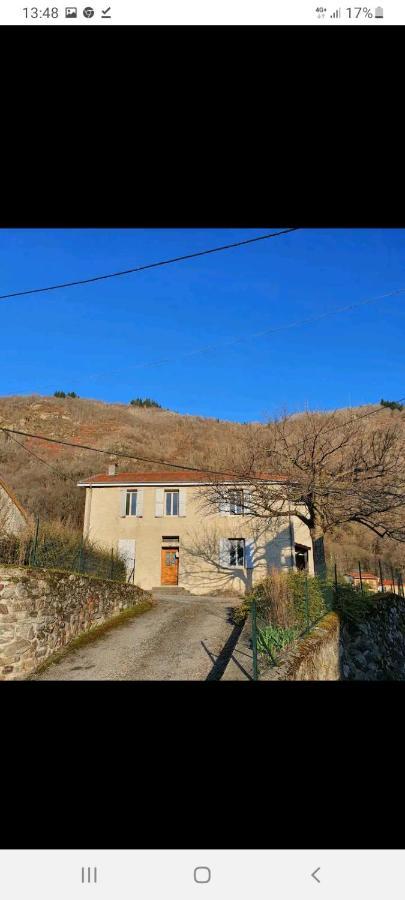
[(391, 585), (14, 519), (367, 578), (160, 524), (374, 582)]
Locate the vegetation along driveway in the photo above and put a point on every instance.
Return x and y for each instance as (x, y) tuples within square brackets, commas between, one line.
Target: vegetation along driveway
[(182, 637)]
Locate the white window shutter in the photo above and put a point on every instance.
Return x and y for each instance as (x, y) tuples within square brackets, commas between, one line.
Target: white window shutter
[(182, 502), (139, 502), (249, 553), (123, 503), (223, 552), (159, 497), (247, 502), (126, 552), (224, 506)]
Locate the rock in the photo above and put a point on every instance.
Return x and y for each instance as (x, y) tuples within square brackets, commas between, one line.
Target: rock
[(15, 647), (6, 635)]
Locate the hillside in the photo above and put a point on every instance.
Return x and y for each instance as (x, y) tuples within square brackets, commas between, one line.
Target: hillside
[(148, 432), (158, 433)]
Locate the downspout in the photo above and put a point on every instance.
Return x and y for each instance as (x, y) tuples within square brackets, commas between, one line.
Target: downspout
[(290, 525), (89, 494)]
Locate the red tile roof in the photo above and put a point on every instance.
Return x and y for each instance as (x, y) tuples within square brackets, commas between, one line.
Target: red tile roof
[(363, 575), (163, 477)]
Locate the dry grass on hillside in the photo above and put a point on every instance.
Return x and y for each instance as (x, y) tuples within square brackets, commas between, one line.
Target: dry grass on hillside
[(156, 433)]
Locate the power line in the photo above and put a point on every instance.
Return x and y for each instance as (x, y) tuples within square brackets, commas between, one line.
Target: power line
[(164, 262), (358, 418), (250, 336), (43, 461), (163, 462), (116, 453)]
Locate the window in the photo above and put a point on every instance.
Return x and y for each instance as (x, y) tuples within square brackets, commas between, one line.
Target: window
[(236, 548), (301, 557), (171, 503), (233, 503), (130, 509), (236, 503)]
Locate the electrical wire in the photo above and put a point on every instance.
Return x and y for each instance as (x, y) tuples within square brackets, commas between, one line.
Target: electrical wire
[(43, 461), (116, 453), (163, 462), (164, 262), (298, 323)]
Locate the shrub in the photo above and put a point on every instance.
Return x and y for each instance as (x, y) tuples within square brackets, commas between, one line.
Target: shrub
[(145, 402), (352, 604), (273, 639), (392, 404), (58, 547), (292, 599), (69, 394)]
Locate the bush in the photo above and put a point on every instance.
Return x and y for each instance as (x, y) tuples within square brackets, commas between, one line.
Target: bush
[(391, 404), (291, 599), (69, 394), (146, 402), (14, 551), (272, 639), (352, 604), (61, 548)]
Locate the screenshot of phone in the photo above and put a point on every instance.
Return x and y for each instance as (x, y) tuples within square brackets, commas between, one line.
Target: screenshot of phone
[(200, 12), (161, 520)]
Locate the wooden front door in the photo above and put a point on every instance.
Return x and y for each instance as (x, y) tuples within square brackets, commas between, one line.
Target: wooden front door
[(170, 566)]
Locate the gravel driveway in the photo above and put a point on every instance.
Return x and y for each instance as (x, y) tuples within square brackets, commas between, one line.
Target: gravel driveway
[(188, 638)]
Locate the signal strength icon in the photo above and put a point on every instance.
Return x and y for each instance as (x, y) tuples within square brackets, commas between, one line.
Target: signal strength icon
[(336, 14)]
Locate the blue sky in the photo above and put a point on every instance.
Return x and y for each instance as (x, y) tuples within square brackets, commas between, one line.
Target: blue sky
[(103, 340)]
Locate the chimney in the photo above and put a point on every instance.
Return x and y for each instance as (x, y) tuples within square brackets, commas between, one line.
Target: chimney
[(112, 468)]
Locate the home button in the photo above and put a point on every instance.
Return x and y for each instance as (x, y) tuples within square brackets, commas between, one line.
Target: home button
[(202, 875)]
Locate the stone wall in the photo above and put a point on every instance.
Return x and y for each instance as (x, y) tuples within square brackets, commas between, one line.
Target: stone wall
[(336, 650), (316, 657), (374, 649), (42, 610)]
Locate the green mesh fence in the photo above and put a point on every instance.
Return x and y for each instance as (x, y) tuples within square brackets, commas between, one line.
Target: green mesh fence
[(67, 552)]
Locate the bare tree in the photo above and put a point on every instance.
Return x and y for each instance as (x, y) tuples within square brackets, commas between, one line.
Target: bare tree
[(327, 470)]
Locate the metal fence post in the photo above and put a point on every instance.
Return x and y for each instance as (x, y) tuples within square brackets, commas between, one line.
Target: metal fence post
[(392, 580), (112, 563), (306, 600), (381, 578), (254, 640), (336, 585), (361, 580), (33, 555)]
